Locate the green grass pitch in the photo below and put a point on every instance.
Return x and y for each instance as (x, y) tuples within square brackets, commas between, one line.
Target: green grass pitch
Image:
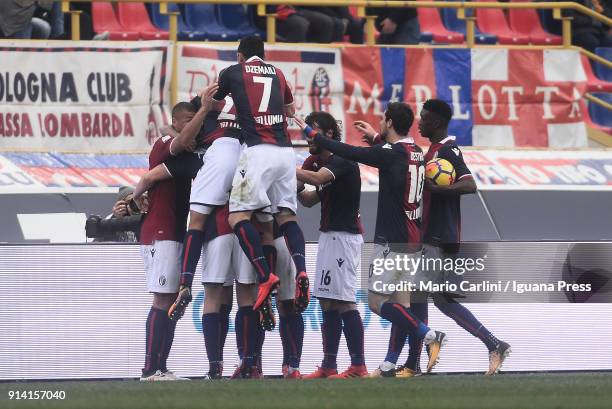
[(512, 391)]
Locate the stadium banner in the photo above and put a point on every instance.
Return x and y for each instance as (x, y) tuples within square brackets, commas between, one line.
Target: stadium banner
[(28, 172), (500, 97), (43, 172), (313, 74), (85, 313), (541, 169), (88, 97)]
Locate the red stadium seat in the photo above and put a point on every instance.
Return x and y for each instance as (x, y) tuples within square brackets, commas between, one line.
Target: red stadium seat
[(104, 19), (493, 21), (134, 16), (594, 84), (527, 22), (430, 22)]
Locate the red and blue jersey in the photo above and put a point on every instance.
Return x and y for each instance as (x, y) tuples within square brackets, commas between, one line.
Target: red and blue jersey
[(401, 177), (217, 224), (260, 93), (341, 196), (442, 213), (217, 124), (166, 218)]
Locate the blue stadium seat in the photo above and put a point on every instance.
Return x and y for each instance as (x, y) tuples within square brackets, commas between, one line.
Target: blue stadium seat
[(185, 32), (425, 37), (602, 71), (237, 18), (454, 23), (203, 17), (252, 12), (601, 115)]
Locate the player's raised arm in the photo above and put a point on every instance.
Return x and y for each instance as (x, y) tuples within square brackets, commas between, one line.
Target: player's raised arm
[(373, 156), (288, 102), (318, 178), (146, 182), (186, 139), (368, 134), (223, 86)]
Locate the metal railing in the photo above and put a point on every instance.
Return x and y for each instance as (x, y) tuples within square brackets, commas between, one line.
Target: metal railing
[(464, 12)]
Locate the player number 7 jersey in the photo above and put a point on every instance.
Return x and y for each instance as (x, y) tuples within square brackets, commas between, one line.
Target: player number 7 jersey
[(260, 93)]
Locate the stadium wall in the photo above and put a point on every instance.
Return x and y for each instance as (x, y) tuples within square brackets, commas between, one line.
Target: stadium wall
[(75, 311)]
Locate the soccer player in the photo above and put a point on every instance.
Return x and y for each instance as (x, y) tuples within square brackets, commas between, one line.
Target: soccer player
[(398, 230), (338, 189), (161, 237), (441, 236), (216, 131), (291, 326), (265, 180), (442, 221), (223, 262), (223, 258)]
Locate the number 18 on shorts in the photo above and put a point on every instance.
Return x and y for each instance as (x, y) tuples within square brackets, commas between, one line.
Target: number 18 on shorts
[(338, 266)]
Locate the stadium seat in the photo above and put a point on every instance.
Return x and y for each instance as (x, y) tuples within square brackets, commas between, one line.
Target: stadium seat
[(594, 84), (454, 23), (589, 121), (236, 16), (135, 17), (601, 115), (203, 17), (425, 37), (161, 21), (493, 21), (104, 19), (602, 71), (527, 22), (430, 22)]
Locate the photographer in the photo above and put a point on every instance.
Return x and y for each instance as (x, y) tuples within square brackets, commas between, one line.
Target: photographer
[(123, 224)]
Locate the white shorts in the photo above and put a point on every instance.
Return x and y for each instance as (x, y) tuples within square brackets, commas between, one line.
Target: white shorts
[(285, 270), (338, 266), (265, 180), (388, 275), (162, 265), (213, 183), (224, 261)]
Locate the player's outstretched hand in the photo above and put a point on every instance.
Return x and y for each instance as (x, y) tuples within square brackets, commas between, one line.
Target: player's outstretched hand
[(300, 122), (367, 131), (207, 100)]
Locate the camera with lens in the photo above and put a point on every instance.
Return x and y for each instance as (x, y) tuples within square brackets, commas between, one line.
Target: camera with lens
[(107, 229)]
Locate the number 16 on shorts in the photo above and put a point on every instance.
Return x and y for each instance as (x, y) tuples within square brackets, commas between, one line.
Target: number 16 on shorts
[(325, 278)]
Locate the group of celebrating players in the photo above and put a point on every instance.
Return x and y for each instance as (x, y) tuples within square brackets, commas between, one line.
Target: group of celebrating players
[(232, 141)]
